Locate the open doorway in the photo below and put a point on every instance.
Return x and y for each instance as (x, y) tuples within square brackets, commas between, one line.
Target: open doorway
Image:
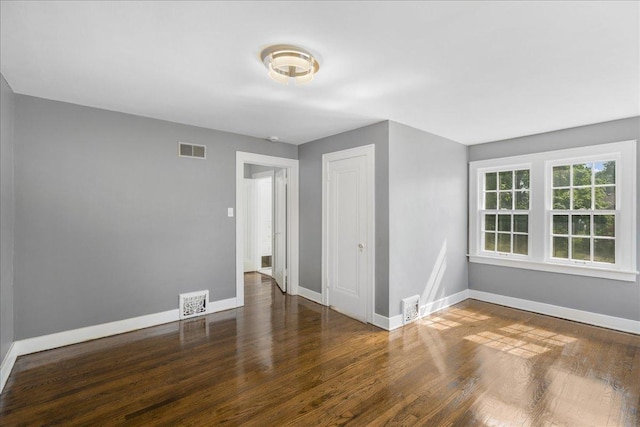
[(267, 220), (259, 219)]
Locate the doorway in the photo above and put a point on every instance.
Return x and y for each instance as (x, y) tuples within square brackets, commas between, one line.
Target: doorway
[(284, 220), (348, 247), (258, 249), (265, 250)]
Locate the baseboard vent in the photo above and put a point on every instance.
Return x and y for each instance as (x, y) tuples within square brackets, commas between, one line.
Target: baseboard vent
[(410, 309), (194, 304)]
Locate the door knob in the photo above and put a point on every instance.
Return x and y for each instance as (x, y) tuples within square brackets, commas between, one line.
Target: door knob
[(361, 246)]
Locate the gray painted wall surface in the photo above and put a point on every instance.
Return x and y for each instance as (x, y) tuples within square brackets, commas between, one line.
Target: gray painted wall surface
[(110, 222), (7, 102), (310, 157), (610, 297), (427, 216)]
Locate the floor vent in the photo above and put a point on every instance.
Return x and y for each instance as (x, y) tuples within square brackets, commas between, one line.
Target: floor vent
[(193, 304), (192, 150), (410, 309)]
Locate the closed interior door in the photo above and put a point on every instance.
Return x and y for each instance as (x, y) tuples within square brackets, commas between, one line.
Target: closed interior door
[(348, 231), (280, 229)]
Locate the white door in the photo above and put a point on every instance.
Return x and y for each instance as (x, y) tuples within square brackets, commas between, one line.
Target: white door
[(280, 229), (348, 231)]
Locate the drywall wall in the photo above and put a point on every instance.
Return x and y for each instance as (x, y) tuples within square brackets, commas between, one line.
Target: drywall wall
[(427, 216), (110, 222), (609, 297), (310, 157), (7, 101)]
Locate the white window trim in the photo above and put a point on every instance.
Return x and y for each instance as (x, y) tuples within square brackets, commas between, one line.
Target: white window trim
[(539, 257)]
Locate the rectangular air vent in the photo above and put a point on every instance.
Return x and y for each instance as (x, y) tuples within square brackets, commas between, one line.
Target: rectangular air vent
[(193, 304), (192, 150), (410, 309)]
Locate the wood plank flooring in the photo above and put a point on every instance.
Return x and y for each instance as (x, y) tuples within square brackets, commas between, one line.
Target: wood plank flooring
[(283, 360)]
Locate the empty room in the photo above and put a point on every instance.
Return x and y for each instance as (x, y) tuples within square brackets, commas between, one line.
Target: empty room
[(319, 213)]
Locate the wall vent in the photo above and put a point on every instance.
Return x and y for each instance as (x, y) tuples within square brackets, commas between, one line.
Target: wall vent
[(193, 304), (410, 309), (192, 150)]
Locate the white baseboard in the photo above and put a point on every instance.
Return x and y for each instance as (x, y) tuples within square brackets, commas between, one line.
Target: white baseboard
[(596, 319), (222, 305), (395, 322), (381, 321), (74, 336), (445, 302), (310, 295), (7, 364)]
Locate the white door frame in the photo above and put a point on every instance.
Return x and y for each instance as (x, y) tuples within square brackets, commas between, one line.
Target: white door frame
[(291, 165), (369, 152)]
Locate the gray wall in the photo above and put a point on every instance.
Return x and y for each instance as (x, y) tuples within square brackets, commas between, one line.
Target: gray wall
[(7, 102), (310, 156), (110, 222), (610, 297), (427, 216)]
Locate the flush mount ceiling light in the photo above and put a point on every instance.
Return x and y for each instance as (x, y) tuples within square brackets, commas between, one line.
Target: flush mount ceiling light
[(286, 62)]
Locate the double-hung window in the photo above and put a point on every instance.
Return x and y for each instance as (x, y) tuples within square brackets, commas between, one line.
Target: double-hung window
[(583, 212), (568, 211), (505, 211)]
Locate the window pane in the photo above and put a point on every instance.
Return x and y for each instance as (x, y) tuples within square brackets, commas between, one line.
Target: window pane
[(491, 201), (604, 250), (581, 225), (561, 199), (561, 224), (605, 197), (504, 222), (489, 241), (605, 225), (506, 180), (561, 247), (605, 172), (520, 244), (506, 200), (580, 249), (521, 223), (561, 176), (582, 198), (490, 181), (582, 174), (504, 242), (522, 200), (490, 222), (522, 179)]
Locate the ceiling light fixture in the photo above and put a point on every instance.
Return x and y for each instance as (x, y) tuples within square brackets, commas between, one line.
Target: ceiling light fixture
[(286, 62)]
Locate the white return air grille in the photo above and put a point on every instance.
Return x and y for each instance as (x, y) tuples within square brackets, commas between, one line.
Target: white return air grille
[(192, 150), (193, 304), (410, 309)]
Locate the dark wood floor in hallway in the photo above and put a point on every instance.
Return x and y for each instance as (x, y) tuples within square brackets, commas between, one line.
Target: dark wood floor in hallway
[(283, 360)]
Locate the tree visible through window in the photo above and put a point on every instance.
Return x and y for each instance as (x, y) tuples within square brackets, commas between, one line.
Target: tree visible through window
[(506, 217), (584, 212)]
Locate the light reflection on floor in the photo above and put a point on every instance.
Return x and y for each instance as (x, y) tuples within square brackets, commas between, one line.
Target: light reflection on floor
[(521, 340), (451, 318)]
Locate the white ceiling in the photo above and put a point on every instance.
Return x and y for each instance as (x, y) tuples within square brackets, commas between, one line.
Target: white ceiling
[(470, 71)]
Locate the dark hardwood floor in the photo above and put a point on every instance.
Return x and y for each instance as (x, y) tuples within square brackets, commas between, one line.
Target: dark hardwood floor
[(283, 360)]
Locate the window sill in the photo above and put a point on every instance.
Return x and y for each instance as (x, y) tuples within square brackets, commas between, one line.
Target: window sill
[(625, 276)]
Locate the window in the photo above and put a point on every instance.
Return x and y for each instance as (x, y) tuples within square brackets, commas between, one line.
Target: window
[(567, 211), (506, 212), (583, 213)]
